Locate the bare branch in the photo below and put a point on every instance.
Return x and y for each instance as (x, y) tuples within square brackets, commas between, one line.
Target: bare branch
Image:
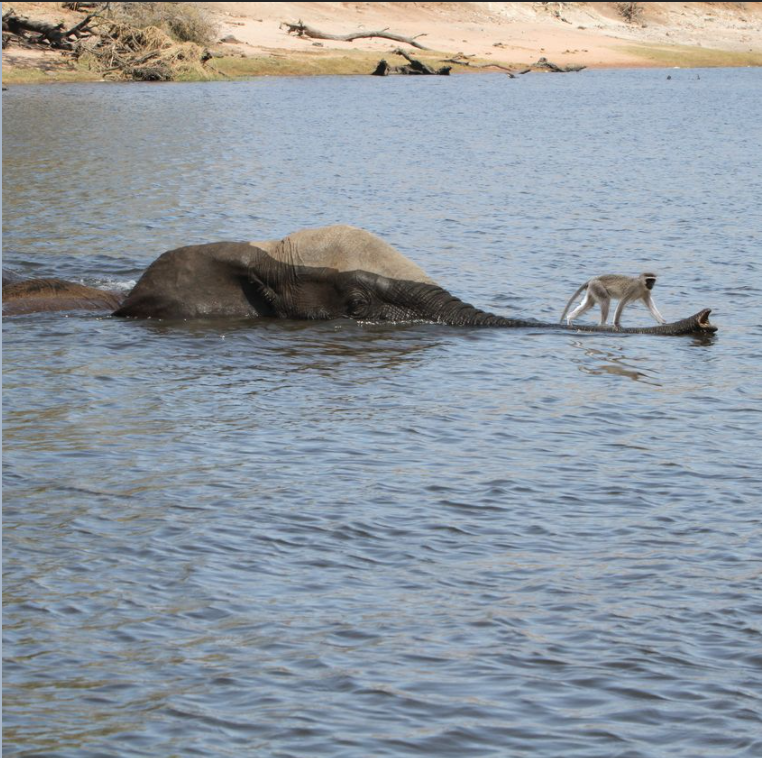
[(462, 60), (412, 67), (52, 33), (302, 30)]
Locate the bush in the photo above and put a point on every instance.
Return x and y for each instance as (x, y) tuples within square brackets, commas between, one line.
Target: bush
[(184, 22), (148, 42), (630, 12)]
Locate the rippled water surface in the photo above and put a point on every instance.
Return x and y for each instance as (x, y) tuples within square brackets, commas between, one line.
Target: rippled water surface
[(332, 539)]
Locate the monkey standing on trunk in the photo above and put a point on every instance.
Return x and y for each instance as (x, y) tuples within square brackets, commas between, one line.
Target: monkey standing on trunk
[(601, 290)]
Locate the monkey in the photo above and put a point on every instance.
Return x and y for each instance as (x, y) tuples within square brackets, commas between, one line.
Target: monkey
[(601, 290)]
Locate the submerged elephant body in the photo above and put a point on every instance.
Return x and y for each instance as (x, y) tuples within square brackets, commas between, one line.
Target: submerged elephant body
[(331, 272), (22, 296), (327, 273)]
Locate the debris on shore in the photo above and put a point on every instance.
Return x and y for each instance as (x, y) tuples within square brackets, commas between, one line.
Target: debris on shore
[(112, 42)]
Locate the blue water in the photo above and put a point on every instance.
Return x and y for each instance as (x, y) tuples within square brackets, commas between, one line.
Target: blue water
[(332, 539)]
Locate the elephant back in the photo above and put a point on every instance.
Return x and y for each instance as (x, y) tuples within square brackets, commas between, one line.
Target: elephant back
[(344, 249)]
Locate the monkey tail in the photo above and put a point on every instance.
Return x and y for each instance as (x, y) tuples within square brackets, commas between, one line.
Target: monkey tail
[(572, 299)]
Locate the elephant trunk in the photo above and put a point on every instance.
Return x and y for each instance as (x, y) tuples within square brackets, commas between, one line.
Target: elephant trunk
[(432, 303), (698, 323), (436, 304)]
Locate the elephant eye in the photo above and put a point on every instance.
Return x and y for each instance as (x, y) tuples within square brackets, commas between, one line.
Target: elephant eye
[(357, 304)]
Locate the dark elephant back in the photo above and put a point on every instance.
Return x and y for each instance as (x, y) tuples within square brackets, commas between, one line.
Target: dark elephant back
[(37, 295), (11, 277), (196, 281)]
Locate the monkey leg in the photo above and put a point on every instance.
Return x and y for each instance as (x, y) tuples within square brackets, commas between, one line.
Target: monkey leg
[(597, 293), (652, 307), (604, 311), (620, 310), (588, 301)]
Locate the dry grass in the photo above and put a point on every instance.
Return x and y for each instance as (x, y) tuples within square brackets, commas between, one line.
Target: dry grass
[(694, 57), (150, 42), (308, 63), (37, 75), (356, 62), (295, 64), (183, 22), (149, 53), (630, 12), (323, 63)]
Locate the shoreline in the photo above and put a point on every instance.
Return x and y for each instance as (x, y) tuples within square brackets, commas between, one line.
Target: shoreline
[(357, 63), (253, 42)]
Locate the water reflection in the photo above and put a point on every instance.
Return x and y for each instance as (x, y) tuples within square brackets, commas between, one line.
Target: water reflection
[(303, 345), (616, 362)]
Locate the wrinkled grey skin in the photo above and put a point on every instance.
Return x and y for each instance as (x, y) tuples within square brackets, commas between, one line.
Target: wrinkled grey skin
[(326, 273)]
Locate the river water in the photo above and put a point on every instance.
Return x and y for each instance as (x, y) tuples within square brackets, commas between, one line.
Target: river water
[(332, 539)]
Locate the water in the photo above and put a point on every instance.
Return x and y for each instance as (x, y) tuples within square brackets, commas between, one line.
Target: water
[(331, 539)]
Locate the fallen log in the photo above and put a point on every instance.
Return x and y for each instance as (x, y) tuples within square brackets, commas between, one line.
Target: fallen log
[(54, 34), (412, 67), (545, 65), (302, 30), (462, 60), (85, 6)]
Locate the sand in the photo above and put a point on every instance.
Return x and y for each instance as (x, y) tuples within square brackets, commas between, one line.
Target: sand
[(591, 34), (509, 34)]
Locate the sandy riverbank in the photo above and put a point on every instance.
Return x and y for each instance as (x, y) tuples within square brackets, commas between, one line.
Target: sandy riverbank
[(510, 34)]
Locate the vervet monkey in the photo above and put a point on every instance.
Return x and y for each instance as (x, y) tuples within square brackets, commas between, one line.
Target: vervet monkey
[(625, 289)]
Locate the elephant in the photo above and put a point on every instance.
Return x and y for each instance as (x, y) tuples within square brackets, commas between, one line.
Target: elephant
[(22, 296), (11, 277), (325, 273)]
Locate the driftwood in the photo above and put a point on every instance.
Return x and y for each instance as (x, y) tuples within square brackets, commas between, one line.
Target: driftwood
[(302, 30), (545, 65), (461, 59), (112, 47), (53, 34), (413, 67), (85, 6)]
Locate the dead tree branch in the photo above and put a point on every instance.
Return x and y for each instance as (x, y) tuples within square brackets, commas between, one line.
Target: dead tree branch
[(462, 60), (302, 30), (86, 6), (54, 34), (544, 64), (412, 67)]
